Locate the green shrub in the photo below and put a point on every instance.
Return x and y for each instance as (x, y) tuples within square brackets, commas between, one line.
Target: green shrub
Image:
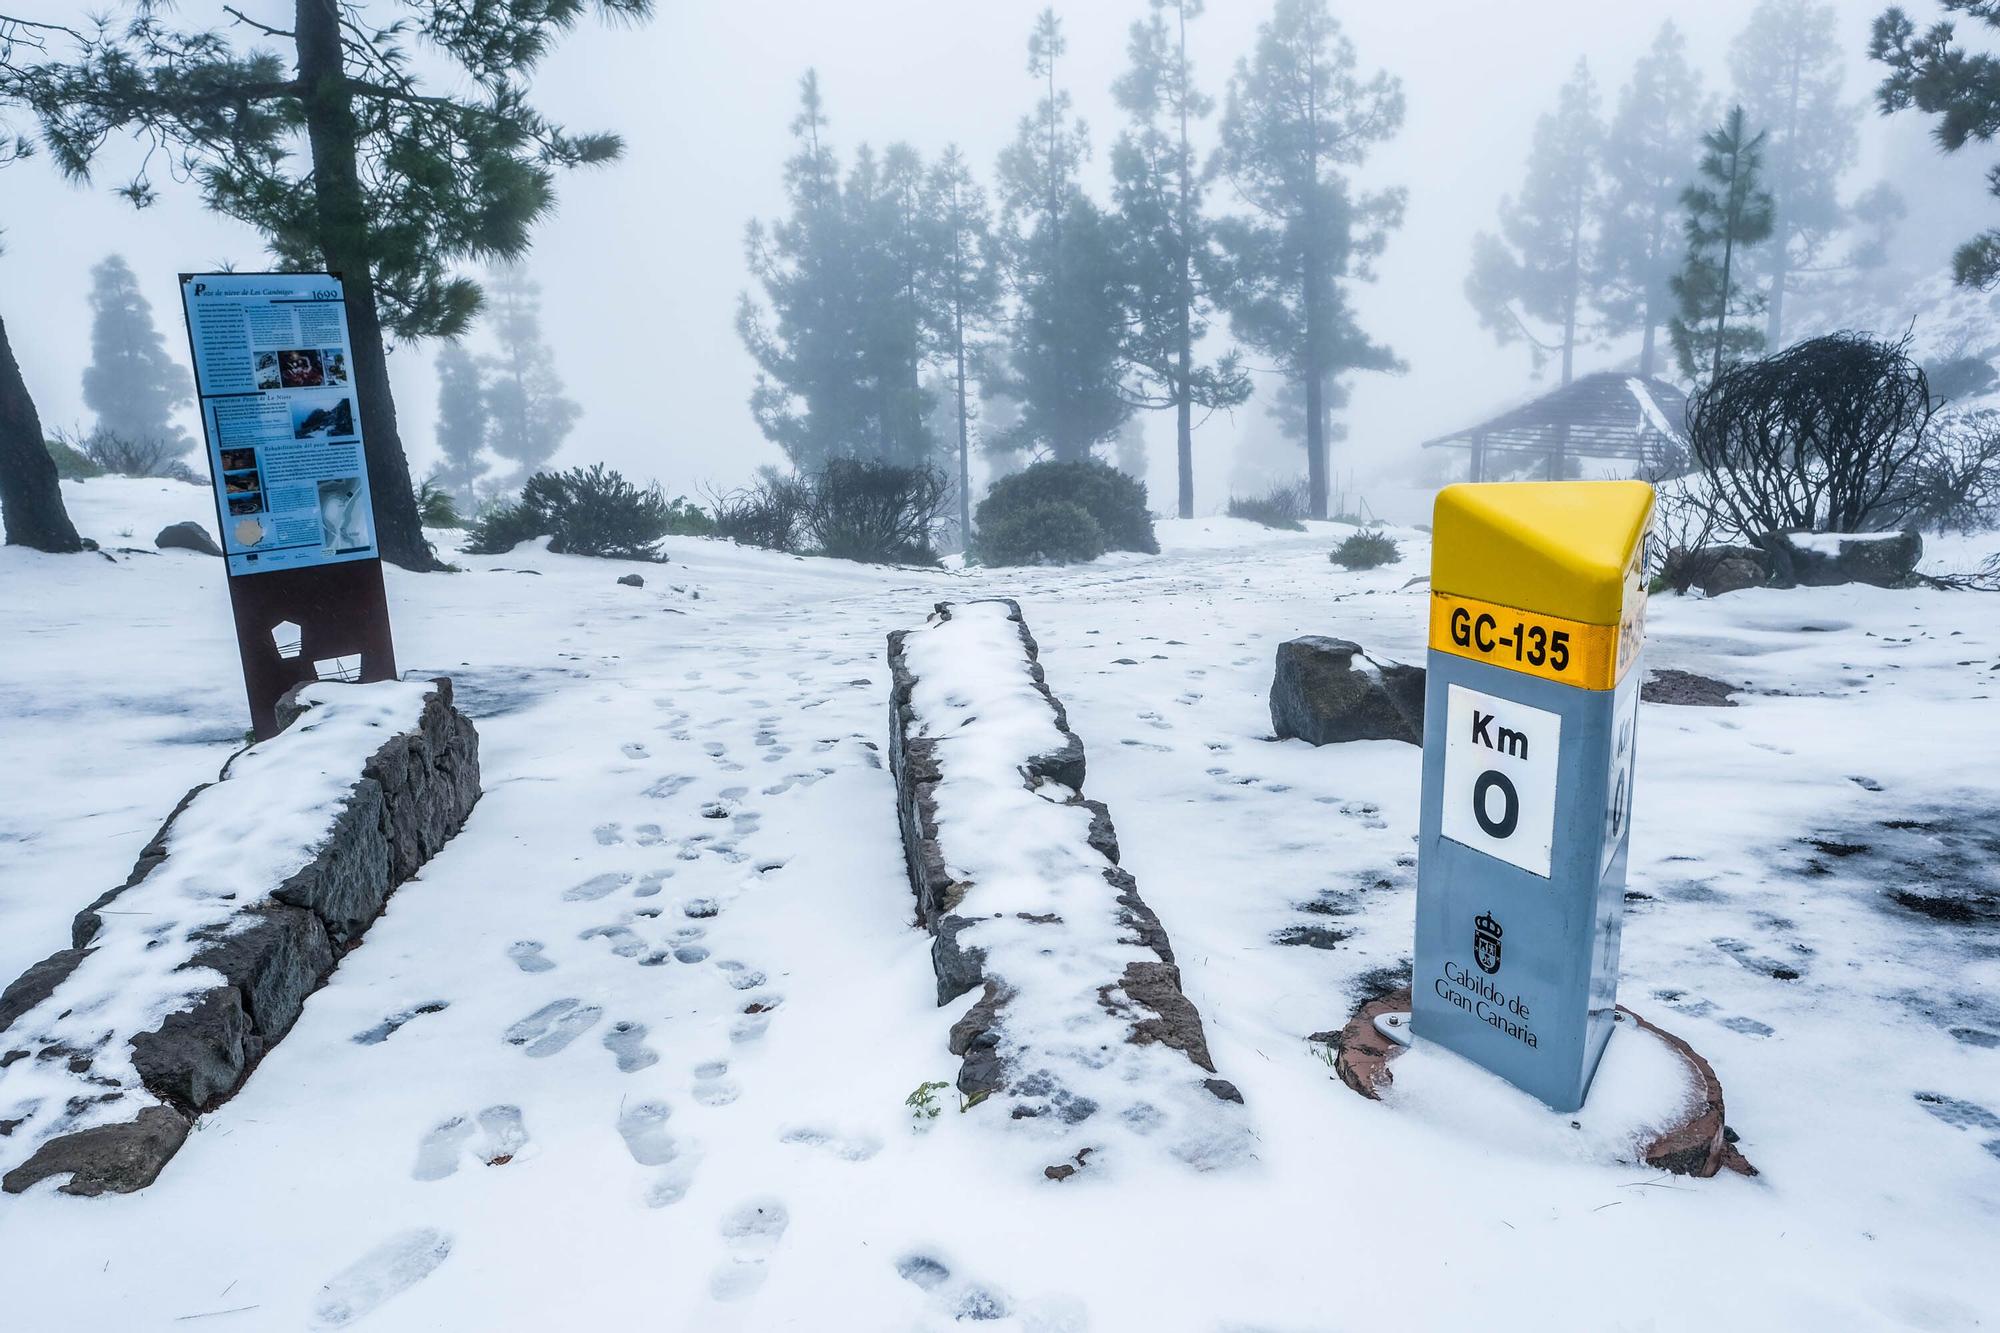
[(502, 527), (685, 518), (1366, 550), (436, 508), (1115, 502), (1283, 506), (1047, 532), (584, 511), (71, 464)]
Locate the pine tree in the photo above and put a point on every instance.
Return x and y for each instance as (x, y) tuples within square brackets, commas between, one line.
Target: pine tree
[(968, 281), (131, 383), (1168, 242), (1933, 73), (1728, 212), (461, 422), (902, 322), (811, 397), (1066, 342), (31, 503), (329, 144), (1649, 161), (1787, 64), (527, 416), (1297, 114), (1540, 269)]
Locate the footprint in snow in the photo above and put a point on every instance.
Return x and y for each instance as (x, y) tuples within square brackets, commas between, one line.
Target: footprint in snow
[(607, 835), (633, 750), (437, 1151), (624, 942), (649, 883), (389, 1026), (667, 786), (751, 1232), (553, 1026), (712, 1084), (388, 1270), (597, 886), (739, 976), (649, 835), (627, 1042), (527, 955), (643, 1126), (846, 1147)]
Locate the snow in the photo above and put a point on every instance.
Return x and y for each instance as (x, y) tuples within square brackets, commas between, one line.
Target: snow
[(234, 843), (1829, 543), (1650, 409), (762, 1172)]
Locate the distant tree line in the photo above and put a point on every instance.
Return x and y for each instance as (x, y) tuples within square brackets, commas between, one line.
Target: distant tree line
[(1670, 216), (1048, 317)]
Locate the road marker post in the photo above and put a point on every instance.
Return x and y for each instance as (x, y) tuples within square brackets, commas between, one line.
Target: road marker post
[(1538, 601)]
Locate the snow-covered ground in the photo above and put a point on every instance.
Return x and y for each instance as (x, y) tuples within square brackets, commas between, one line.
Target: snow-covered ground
[(683, 1001)]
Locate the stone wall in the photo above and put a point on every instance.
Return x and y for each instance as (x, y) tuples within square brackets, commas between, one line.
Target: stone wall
[(1140, 989), (407, 800)]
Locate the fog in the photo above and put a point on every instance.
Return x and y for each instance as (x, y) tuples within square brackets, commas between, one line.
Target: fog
[(642, 264)]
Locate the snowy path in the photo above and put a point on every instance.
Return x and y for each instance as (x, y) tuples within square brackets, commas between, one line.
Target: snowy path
[(633, 1051)]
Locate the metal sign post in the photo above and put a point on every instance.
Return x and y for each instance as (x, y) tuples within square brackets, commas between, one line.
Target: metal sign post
[(274, 376), (1537, 613)]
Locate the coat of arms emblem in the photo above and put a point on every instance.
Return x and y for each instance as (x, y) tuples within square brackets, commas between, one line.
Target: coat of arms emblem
[(1486, 943)]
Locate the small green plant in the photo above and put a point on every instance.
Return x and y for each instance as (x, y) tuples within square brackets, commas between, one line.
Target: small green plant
[(1324, 1053), (923, 1103), (1369, 549)]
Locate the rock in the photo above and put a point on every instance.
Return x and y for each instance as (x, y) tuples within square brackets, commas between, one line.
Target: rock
[(631, 581), (114, 1158), (1722, 569), (1668, 686), (1824, 560), (187, 536), (1318, 694)]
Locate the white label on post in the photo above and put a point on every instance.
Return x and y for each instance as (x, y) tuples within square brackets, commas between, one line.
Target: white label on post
[(1500, 760)]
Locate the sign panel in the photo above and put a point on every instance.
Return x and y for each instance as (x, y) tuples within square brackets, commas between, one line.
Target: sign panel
[(1530, 722), (1500, 777), (274, 371), (274, 374)]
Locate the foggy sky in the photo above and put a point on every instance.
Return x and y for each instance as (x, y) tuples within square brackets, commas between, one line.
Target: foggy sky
[(642, 263)]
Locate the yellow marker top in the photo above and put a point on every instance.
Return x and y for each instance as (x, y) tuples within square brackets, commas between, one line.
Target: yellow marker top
[(1563, 548)]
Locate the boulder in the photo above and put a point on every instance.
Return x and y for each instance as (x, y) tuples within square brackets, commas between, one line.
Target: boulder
[(1881, 559), (1720, 569), (1328, 690), (186, 536), (631, 581)]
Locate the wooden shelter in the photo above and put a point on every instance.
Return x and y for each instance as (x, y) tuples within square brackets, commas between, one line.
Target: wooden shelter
[(1606, 415)]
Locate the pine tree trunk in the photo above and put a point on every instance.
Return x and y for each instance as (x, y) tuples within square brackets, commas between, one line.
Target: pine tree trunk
[(31, 500), (1646, 344), (332, 133), (1184, 385)]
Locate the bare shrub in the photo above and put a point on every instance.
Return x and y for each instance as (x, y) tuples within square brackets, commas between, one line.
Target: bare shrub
[(1284, 506), (1823, 437)]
